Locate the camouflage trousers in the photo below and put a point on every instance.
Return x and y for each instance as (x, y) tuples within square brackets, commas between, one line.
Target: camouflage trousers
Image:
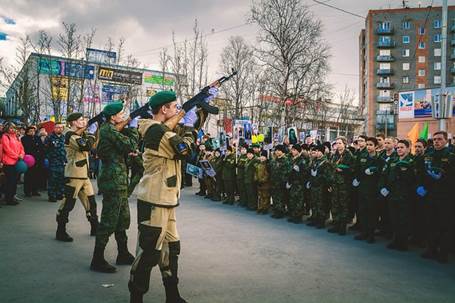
[(279, 199), (242, 191), (115, 217), (252, 195), (56, 183), (319, 203), (210, 185), (296, 205), (340, 204), (263, 197), (229, 187)]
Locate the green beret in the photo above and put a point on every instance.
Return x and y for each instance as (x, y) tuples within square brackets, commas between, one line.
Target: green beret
[(161, 98), (113, 108), (255, 145), (73, 117)]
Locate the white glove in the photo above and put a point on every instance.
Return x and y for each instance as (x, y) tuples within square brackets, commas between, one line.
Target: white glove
[(288, 186), (92, 128), (314, 173), (296, 168), (190, 118), (384, 191), (308, 185), (134, 123), (213, 92), (368, 172), (355, 183)]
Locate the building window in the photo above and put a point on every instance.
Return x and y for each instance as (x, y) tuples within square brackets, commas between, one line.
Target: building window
[(384, 80), (405, 80), (421, 30), (421, 45), (405, 52), (384, 65), (406, 25), (437, 23), (437, 52), (437, 66), (437, 38), (421, 59), (384, 52), (406, 39), (437, 79), (421, 72), (384, 93), (385, 25), (421, 85), (406, 66)]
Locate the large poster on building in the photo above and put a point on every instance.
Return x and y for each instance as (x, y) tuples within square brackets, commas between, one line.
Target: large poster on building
[(101, 56), (417, 104), (117, 75), (59, 87), (111, 92), (159, 79), (62, 68)]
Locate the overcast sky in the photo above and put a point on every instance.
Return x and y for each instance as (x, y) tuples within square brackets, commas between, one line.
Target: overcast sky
[(148, 26)]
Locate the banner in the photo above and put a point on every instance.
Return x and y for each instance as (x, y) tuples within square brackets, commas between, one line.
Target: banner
[(59, 87), (207, 167), (62, 68), (111, 92), (117, 75), (193, 170), (158, 78), (101, 56), (406, 105)]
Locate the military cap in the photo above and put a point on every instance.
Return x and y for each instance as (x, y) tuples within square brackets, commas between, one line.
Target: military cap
[(250, 150), (73, 117), (113, 108), (297, 147), (280, 147), (161, 98), (255, 145), (318, 147)]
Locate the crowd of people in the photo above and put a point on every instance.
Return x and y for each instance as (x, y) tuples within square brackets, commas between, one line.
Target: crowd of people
[(375, 186)]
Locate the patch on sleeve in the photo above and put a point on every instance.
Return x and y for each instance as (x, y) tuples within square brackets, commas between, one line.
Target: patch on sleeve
[(181, 147)]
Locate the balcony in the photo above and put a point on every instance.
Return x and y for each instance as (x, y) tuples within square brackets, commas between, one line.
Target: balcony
[(384, 72), (384, 85), (386, 44), (452, 56), (452, 28), (384, 99), (452, 42), (452, 70), (384, 31), (385, 59)]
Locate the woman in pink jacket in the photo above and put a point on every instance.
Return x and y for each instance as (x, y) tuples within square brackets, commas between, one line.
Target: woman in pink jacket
[(12, 151)]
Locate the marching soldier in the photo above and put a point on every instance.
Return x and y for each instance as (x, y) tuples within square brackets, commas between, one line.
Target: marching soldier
[(320, 185), (159, 193), (435, 184), (56, 155), (115, 144), (420, 208), (295, 186), (78, 144), (229, 175), (280, 168), (342, 162), (359, 154)]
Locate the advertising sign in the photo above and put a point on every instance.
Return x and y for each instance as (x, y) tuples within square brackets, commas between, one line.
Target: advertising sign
[(101, 56), (406, 105), (61, 68), (110, 92), (417, 104), (59, 87), (158, 78), (117, 75)]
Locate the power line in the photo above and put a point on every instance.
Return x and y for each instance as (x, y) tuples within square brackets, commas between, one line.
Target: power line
[(339, 9)]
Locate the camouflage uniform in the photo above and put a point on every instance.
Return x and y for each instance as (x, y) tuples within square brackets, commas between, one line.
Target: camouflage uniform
[(250, 184), (320, 180), (341, 190), (241, 162), (262, 178), (296, 192), (229, 177), (217, 164), (56, 155), (210, 184), (280, 169), (113, 148)]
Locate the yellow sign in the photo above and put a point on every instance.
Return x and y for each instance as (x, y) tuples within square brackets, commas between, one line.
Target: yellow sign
[(59, 87)]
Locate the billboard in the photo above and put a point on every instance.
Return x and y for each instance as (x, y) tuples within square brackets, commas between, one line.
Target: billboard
[(62, 68), (101, 56), (158, 78), (59, 87), (417, 104), (121, 76), (111, 92)]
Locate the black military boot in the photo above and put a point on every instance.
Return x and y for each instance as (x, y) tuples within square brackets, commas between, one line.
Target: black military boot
[(99, 264), (136, 297), (172, 291), (61, 234), (124, 257), (93, 226), (429, 254), (334, 229), (342, 229)]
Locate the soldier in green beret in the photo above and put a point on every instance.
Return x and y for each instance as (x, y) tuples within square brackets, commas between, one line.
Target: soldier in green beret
[(241, 162), (78, 143), (115, 144)]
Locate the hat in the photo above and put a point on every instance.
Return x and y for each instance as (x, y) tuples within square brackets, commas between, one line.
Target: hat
[(318, 147), (113, 108), (297, 147), (73, 117), (255, 145), (250, 150), (280, 147), (264, 153), (161, 98)]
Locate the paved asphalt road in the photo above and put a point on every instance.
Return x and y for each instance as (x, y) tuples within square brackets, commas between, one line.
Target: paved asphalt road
[(228, 255)]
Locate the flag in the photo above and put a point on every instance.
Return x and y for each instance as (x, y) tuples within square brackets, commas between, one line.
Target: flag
[(3, 36), (424, 132), (413, 135)]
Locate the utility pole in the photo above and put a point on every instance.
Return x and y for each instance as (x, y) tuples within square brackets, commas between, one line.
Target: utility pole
[(443, 99)]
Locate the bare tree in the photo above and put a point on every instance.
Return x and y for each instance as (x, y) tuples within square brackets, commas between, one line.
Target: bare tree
[(238, 56), (292, 49), (120, 49)]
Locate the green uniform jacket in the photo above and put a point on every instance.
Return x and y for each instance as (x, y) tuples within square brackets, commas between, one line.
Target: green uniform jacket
[(343, 166), (262, 174), (229, 167), (113, 148), (250, 170), (296, 177), (400, 179), (321, 173), (241, 162), (279, 172)]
